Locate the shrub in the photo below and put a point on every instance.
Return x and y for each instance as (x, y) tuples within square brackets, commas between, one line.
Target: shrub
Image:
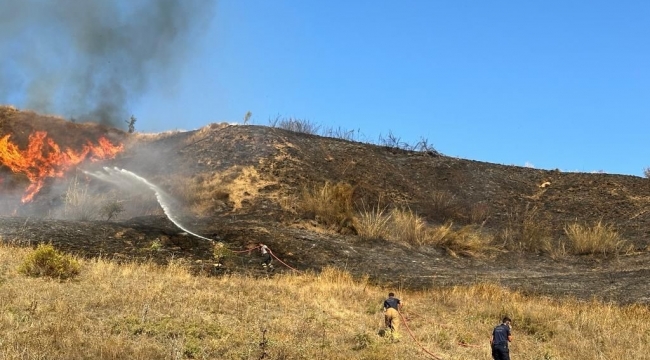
[(296, 125), (392, 141), (111, 209), (46, 261), (646, 172), (597, 239), (340, 133), (156, 245)]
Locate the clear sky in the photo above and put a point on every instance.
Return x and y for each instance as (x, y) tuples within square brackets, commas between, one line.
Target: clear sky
[(546, 84)]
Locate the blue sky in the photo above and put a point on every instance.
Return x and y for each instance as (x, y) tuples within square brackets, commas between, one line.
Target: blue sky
[(548, 84)]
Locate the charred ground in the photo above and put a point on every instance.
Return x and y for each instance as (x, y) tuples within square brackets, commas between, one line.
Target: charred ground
[(250, 175)]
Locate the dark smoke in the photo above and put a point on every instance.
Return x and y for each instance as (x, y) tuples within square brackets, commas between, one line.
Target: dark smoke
[(91, 59)]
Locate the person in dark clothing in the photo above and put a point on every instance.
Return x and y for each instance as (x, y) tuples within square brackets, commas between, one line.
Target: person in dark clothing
[(392, 306), (499, 340), (266, 256)]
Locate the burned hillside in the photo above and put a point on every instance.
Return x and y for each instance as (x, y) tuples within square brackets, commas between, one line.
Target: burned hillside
[(241, 185)]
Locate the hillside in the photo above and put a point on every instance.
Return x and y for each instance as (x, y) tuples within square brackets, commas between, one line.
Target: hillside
[(241, 185)]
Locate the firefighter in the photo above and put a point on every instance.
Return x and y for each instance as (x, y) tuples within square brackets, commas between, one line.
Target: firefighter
[(266, 257), (499, 340), (392, 306)]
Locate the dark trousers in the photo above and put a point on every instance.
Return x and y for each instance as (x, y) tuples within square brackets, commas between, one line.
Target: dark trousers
[(500, 352), (266, 259)]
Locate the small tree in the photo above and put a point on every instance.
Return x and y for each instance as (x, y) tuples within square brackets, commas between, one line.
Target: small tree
[(247, 117), (646, 172), (111, 209), (131, 123)]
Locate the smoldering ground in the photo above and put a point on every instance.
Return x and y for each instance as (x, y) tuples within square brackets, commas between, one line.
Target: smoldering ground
[(90, 59)]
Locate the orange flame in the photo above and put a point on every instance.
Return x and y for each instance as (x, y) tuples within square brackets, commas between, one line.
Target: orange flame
[(44, 159)]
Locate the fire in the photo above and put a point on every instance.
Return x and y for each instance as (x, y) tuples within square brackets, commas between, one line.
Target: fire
[(43, 158)]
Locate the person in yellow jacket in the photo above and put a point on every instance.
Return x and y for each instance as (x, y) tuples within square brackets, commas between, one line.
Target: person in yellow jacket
[(392, 306)]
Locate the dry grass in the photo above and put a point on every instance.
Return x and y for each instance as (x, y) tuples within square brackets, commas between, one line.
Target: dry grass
[(405, 226), (599, 239), (469, 240), (80, 203), (408, 227), (373, 223), (443, 206), (293, 124), (206, 194), (330, 204), (529, 229), (479, 213), (144, 311)]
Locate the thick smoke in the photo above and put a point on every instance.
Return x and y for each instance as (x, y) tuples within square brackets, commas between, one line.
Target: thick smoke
[(89, 59)]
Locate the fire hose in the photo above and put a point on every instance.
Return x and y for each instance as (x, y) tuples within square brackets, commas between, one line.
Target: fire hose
[(434, 356)]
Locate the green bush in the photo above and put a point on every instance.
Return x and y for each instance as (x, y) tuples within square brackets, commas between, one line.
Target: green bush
[(46, 261)]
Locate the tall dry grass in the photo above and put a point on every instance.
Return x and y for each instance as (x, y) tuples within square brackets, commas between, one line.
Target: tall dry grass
[(599, 239), (329, 204), (144, 311), (528, 228), (373, 223), (407, 227)]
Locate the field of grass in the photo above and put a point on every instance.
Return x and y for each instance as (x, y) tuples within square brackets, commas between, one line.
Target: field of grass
[(143, 311)]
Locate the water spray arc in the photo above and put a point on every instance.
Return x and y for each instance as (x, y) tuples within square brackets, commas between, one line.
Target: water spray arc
[(128, 180)]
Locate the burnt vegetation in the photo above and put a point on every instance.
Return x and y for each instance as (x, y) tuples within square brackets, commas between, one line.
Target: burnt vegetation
[(310, 192)]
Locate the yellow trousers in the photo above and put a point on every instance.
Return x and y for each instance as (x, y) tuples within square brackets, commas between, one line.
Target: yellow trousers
[(391, 318)]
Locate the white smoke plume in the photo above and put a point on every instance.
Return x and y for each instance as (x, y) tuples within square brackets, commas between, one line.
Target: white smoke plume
[(90, 59)]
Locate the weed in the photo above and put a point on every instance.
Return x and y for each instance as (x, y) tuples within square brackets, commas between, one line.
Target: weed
[(392, 141), (79, 203), (156, 245), (363, 341)]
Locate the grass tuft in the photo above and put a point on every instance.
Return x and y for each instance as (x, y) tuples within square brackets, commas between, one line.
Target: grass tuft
[(599, 239), (330, 205)]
